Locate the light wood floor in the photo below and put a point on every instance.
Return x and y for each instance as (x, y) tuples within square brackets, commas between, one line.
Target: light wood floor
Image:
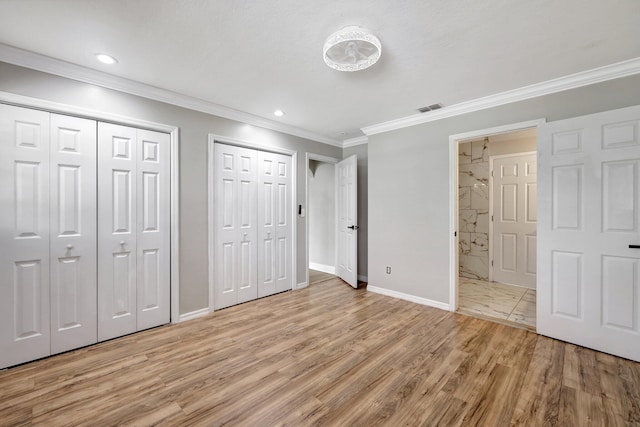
[(316, 276), (326, 355)]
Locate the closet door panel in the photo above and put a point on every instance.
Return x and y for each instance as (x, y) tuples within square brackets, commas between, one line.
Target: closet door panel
[(117, 234), (235, 231), (153, 229), (24, 235), (73, 225), (267, 224), (275, 216)]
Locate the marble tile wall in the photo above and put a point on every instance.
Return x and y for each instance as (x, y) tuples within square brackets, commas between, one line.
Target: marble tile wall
[(473, 207)]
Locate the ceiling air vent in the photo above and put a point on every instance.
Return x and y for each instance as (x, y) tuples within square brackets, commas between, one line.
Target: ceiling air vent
[(430, 108)]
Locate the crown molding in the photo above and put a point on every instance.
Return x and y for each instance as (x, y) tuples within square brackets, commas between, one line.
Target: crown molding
[(352, 142), (50, 65), (572, 81)]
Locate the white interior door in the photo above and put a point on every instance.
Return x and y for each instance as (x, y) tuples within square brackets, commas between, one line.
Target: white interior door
[(73, 233), (24, 235), (588, 275), (275, 253), (347, 208), (117, 231), (153, 229), (514, 219), (235, 225)]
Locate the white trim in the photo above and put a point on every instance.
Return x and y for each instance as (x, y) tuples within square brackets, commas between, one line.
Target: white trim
[(193, 315), (213, 138), (491, 247), (352, 142), (320, 158), (572, 81), (302, 285), (50, 65), (174, 135), (331, 269), (407, 297), (454, 141)]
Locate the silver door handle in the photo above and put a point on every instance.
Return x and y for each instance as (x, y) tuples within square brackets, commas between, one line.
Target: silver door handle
[(69, 247)]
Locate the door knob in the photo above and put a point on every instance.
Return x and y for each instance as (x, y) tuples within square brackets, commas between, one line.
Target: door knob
[(69, 247), (353, 227), (122, 243)]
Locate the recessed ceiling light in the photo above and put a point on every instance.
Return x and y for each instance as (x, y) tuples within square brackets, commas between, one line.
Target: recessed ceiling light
[(278, 113), (106, 59)]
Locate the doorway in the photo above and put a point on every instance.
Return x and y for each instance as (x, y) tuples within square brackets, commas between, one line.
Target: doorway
[(321, 218), (496, 183)]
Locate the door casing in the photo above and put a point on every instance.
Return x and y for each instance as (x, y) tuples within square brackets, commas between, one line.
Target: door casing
[(454, 141), (213, 138)]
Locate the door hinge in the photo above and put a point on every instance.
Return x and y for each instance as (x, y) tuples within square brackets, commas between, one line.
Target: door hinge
[(491, 218), (455, 234), (491, 173), (491, 263)]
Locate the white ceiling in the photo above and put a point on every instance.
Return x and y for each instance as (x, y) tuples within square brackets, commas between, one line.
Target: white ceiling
[(259, 56)]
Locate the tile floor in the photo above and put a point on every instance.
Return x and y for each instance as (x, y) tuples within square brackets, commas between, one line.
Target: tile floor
[(497, 300)]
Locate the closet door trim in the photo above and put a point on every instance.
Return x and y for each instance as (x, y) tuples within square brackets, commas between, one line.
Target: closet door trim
[(213, 139), (174, 133)]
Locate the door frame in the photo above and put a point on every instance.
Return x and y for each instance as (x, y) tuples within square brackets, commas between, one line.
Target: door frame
[(491, 195), (325, 159), (174, 202), (454, 141), (223, 139)]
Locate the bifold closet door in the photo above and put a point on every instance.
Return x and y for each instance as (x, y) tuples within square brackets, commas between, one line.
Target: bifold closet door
[(24, 235), (73, 253), (133, 230), (275, 195), (235, 219)]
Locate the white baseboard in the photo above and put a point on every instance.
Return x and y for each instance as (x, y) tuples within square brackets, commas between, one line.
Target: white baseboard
[(193, 315), (302, 285), (324, 268), (363, 278), (407, 297)]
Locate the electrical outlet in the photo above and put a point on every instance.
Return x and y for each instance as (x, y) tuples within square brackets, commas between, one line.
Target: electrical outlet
[(388, 270)]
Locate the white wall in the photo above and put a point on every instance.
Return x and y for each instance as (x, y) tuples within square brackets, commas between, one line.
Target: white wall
[(194, 129), (321, 213), (409, 188)]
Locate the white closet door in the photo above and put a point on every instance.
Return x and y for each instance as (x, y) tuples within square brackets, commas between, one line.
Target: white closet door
[(274, 217), (73, 233), (235, 219), (153, 168), (24, 235), (117, 234)]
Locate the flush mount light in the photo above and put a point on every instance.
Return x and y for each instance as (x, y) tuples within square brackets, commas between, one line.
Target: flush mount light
[(106, 59), (351, 49), (278, 113)]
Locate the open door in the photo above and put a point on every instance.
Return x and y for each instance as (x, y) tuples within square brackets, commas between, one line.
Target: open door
[(347, 207), (588, 231)]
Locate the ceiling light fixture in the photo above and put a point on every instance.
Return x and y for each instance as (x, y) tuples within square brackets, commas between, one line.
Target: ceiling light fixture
[(278, 113), (106, 59), (351, 49)]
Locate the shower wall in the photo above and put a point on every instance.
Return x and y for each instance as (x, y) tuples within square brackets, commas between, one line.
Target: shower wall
[(473, 208)]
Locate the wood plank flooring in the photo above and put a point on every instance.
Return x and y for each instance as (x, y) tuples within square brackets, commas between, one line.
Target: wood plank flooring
[(326, 355)]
